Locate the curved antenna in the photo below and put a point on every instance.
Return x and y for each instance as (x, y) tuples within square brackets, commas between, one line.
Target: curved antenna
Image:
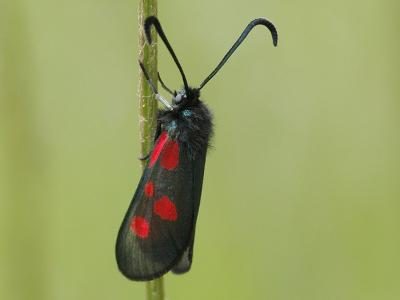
[(152, 20), (252, 24)]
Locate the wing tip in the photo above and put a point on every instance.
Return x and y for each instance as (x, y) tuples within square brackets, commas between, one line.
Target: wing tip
[(131, 273), (184, 263)]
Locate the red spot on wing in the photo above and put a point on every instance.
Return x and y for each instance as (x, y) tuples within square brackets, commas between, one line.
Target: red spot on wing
[(140, 227), (165, 209), (149, 189), (170, 155), (157, 148)]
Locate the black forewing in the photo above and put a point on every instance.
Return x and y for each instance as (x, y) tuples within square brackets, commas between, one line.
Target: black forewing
[(185, 261), (148, 258)]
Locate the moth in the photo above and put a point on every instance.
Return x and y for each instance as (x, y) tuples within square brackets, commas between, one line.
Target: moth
[(157, 232)]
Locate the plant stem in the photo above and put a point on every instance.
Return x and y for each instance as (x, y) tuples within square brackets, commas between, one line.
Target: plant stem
[(148, 109), (155, 289)]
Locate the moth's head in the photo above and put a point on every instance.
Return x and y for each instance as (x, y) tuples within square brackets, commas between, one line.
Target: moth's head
[(184, 98)]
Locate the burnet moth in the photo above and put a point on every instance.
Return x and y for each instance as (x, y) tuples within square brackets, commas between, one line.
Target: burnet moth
[(157, 233)]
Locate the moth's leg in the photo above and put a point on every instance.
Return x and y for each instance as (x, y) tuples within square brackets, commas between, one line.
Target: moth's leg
[(158, 131), (159, 98), (143, 158), (154, 89), (157, 134), (165, 87)]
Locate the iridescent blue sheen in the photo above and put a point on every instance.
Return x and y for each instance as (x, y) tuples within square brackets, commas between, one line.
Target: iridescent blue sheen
[(187, 113)]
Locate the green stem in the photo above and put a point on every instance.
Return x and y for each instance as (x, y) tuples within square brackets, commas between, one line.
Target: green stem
[(148, 110)]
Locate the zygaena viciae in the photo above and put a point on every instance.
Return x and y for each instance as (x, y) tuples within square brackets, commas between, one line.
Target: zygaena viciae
[(157, 233)]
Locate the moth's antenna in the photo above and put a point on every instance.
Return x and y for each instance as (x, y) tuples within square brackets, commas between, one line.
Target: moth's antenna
[(152, 20), (252, 24), (154, 89), (164, 86)]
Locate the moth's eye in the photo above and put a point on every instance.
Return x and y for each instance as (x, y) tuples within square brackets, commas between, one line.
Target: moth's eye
[(178, 98)]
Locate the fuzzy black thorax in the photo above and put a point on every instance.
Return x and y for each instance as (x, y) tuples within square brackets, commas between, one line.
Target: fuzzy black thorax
[(189, 123)]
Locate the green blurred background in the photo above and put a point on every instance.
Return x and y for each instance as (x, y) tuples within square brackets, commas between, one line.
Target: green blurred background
[(301, 193)]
